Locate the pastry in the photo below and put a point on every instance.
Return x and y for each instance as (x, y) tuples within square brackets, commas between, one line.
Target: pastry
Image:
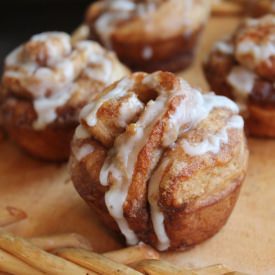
[(149, 35), (159, 161), (45, 83), (242, 67)]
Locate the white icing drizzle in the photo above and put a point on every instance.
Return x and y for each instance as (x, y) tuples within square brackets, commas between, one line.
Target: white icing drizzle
[(118, 168), (81, 132), (125, 154), (121, 160), (89, 111), (147, 53), (49, 68), (45, 108), (83, 151), (242, 82), (156, 214), (260, 50), (99, 66), (213, 143), (129, 109), (105, 24), (224, 47), (122, 5), (57, 45), (195, 109), (117, 11)]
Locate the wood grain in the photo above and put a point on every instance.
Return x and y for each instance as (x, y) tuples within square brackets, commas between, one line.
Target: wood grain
[(45, 193)]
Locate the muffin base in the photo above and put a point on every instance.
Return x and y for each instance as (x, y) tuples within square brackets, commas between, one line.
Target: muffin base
[(189, 226), (51, 143), (173, 54)]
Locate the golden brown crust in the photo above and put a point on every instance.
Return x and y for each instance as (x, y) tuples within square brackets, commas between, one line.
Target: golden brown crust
[(151, 35), (196, 193)]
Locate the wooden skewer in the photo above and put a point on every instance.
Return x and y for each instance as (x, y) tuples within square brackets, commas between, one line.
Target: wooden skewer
[(37, 258), (54, 242), (133, 254), (10, 215), (156, 267), (95, 262), (13, 265)]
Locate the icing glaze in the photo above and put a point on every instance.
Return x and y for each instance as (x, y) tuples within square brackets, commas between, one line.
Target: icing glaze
[(45, 108), (242, 82), (81, 132), (224, 47), (83, 151), (213, 143), (89, 111), (156, 214), (255, 42), (49, 68), (129, 109), (117, 11)]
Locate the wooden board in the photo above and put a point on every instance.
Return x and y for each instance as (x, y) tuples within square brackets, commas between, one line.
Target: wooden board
[(246, 243)]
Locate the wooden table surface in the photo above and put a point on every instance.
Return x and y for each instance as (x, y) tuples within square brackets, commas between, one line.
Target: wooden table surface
[(246, 243)]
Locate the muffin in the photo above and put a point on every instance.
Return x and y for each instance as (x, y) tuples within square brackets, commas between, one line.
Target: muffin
[(158, 161), (149, 35), (242, 67), (45, 83)]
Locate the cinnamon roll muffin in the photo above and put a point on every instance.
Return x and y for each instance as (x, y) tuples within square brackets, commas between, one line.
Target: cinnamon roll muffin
[(159, 161), (45, 83), (149, 35), (242, 67)]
